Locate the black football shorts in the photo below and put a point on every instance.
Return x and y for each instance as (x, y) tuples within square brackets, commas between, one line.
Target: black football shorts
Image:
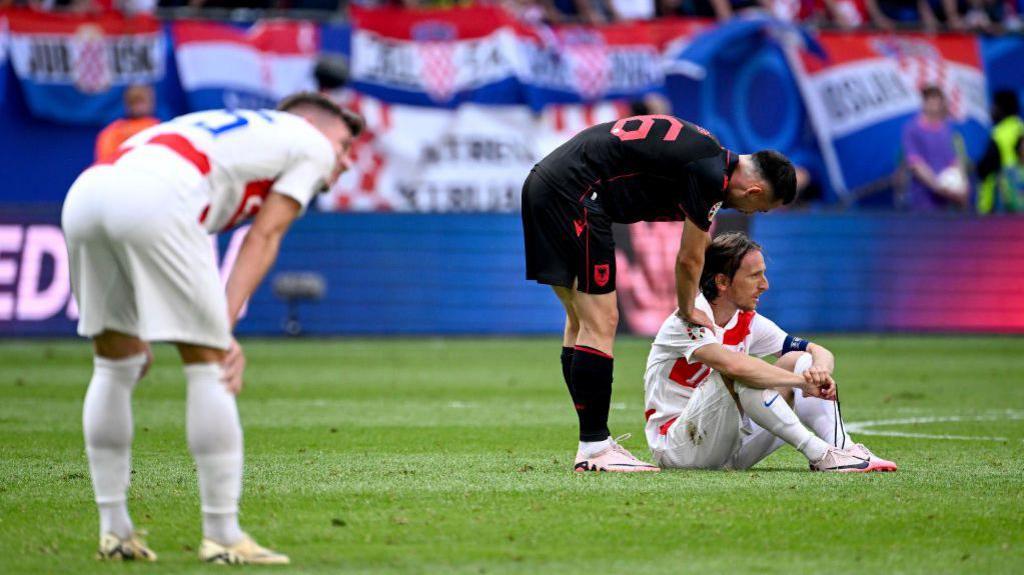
[(568, 242)]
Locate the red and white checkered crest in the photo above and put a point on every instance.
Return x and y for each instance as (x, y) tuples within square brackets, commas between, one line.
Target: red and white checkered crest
[(586, 58), (90, 60), (439, 69), (921, 65), (436, 42)]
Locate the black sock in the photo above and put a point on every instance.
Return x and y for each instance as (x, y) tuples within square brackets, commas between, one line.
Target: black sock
[(592, 383), (567, 355)]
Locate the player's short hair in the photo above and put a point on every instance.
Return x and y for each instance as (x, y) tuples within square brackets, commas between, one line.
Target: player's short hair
[(932, 91), (316, 101), (724, 256), (778, 172), (1006, 103)]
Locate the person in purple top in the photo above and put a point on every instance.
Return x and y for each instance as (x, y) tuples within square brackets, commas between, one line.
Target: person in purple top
[(937, 179)]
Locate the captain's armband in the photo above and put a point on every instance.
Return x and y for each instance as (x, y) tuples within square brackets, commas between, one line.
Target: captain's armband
[(794, 344)]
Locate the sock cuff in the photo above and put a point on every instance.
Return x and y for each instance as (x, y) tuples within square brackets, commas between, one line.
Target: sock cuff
[(136, 361), (220, 510), (591, 351), (198, 371)]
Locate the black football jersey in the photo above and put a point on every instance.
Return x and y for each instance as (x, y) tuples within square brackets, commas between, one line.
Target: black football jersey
[(643, 168)]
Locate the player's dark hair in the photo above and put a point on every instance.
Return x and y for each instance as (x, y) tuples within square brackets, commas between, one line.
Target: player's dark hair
[(324, 104), (724, 256), (932, 91), (778, 172), (1004, 104)]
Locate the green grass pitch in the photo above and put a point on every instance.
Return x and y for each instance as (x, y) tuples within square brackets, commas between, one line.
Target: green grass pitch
[(454, 456)]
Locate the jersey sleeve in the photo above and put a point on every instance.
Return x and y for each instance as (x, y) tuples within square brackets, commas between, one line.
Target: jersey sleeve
[(766, 338), (705, 187), (683, 338), (306, 175)]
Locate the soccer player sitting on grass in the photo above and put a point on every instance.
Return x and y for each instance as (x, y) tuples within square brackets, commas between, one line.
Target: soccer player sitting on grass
[(709, 405), (653, 168)]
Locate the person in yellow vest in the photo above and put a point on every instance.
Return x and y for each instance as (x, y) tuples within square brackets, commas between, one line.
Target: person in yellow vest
[(139, 104), (1001, 156)]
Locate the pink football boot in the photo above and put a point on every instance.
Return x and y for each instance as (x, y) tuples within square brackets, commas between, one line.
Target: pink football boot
[(849, 461), (877, 463), (613, 458)]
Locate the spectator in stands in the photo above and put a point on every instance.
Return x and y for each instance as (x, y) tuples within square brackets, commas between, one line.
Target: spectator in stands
[(887, 14), (584, 11), (846, 14), (721, 10), (1012, 181), (233, 4), (1012, 15), (433, 4), (373, 3), (139, 105), (989, 16), (1001, 155), (937, 180), (629, 10), (533, 12)]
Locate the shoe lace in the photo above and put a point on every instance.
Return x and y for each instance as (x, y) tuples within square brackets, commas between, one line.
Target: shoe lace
[(622, 438)]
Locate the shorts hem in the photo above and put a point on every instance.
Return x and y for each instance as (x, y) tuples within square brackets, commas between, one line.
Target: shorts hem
[(188, 338), (91, 333), (552, 281)]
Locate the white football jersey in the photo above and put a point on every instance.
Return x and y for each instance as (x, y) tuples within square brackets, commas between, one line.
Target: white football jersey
[(671, 377), (243, 155)]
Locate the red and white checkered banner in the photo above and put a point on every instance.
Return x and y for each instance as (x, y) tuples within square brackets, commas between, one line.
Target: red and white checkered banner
[(869, 86), (73, 68), (471, 159), (443, 58)]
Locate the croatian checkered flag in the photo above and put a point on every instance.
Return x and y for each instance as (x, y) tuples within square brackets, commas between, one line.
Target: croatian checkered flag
[(90, 60), (931, 70), (438, 69), (589, 68)]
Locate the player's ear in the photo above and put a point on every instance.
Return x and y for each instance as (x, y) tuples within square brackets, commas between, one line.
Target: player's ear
[(721, 282)]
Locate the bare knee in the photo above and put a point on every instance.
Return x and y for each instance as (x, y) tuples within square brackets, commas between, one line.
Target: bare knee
[(789, 360), (200, 354), (116, 345)]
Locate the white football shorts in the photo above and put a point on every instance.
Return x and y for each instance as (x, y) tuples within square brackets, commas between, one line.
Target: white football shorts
[(711, 433), (140, 261)]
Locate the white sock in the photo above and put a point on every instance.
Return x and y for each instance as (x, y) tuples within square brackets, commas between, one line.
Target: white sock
[(821, 415), (769, 410), (215, 439), (107, 423), (589, 448)]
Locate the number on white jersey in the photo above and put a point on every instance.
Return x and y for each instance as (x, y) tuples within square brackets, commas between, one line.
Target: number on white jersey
[(221, 121)]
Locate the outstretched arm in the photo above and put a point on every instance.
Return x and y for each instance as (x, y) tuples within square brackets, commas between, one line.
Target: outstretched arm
[(689, 265)]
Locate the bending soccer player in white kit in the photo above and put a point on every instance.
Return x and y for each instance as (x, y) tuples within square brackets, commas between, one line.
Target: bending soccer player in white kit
[(710, 405), (142, 270)]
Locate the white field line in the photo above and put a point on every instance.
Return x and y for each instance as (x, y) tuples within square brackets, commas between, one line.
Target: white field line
[(865, 427)]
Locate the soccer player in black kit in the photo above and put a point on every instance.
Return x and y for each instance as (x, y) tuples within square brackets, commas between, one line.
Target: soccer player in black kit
[(642, 168)]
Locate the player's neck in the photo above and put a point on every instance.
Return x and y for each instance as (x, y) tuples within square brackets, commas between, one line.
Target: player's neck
[(723, 311)]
